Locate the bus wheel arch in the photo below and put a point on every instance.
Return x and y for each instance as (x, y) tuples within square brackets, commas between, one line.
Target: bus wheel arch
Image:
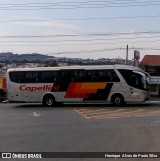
[(48, 100), (117, 99)]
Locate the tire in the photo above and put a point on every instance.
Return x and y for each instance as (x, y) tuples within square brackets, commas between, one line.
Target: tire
[(118, 100), (48, 101)]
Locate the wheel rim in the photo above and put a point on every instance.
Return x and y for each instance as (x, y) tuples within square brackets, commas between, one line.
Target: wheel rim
[(117, 100), (49, 101)]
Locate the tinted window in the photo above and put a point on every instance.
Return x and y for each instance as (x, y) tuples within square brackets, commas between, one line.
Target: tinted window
[(85, 76), (18, 77), (107, 76), (66, 76), (32, 77), (49, 76), (89, 76), (132, 79)]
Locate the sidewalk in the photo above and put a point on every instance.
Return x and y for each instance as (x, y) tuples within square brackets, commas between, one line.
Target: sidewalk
[(154, 98)]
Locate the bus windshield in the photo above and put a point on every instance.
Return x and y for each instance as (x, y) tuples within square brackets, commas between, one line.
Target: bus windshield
[(135, 79), (144, 79)]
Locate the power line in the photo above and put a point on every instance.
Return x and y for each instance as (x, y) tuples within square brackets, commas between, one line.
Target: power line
[(81, 35), (92, 4), (90, 51), (85, 40), (105, 50), (79, 3), (72, 2), (84, 44), (98, 50), (82, 19), (86, 51)]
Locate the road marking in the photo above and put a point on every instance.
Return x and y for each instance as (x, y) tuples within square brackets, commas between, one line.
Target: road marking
[(103, 111), (35, 114), (81, 113), (157, 121), (117, 113)]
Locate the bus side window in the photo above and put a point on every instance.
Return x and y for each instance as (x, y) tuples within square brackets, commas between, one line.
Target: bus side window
[(17, 77), (114, 76), (32, 77), (53, 76), (83, 76), (21, 77), (66, 76), (44, 76), (108, 76), (92, 76), (74, 76), (49, 76)]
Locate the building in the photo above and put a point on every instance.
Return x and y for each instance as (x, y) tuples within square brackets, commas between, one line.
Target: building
[(151, 64)]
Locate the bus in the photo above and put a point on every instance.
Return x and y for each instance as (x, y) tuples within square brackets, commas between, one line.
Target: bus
[(117, 84)]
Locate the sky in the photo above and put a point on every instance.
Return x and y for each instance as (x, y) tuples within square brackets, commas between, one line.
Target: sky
[(80, 28)]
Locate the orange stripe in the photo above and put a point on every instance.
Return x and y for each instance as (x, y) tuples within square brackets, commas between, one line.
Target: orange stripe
[(93, 85)]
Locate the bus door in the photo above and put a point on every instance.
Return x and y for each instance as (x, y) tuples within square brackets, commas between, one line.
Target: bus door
[(135, 95), (137, 85)]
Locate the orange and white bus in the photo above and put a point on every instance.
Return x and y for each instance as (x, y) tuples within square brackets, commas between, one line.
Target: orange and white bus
[(117, 84)]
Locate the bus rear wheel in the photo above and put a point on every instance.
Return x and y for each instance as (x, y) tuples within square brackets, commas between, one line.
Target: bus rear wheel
[(118, 100), (48, 101)]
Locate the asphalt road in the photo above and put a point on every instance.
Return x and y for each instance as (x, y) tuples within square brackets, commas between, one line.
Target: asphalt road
[(33, 128)]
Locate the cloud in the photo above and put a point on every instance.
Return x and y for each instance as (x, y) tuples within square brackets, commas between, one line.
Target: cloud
[(48, 23)]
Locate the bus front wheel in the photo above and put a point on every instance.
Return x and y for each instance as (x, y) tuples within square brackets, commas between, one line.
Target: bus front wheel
[(117, 100), (48, 100)]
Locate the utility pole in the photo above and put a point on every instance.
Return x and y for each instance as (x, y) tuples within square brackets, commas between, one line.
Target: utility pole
[(136, 57), (127, 55)]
